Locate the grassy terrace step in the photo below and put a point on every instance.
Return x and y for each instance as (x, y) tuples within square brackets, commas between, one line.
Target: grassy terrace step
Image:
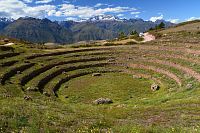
[(186, 69), (157, 52), (164, 80), (172, 49), (183, 65), (158, 70), (76, 74), (37, 72), (14, 71), (141, 75), (7, 55), (35, 80), (8, 63), (65, 52), (76, 54), (178, 58), (179, 73), (109, 67), (48, 78)]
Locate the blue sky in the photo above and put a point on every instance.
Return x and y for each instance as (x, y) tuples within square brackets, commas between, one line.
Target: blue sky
[(172, 10)]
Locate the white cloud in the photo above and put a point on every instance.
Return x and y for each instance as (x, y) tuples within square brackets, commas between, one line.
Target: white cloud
[(101, 4), (28, 1), (174, 20), (137, 16), (71, 18), (135, 13), (70, 10), (17, 8), (20, 8), (98, 5), (193, 18), (43, 1), (153, 19), (120, 15)]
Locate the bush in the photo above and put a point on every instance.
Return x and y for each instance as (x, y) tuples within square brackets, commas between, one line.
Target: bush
[(137, 38), (130, 43), (84, 45)]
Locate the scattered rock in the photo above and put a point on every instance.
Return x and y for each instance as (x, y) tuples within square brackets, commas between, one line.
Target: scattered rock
[(32, 89), (188, 46), (189, 86), (111, 60), (18, 72), (96, 74), (103, 101), (155, 87), (6, 40), (66, 86), (46, 94), (66, 97), (126, 67), (27, 98), (121, 106), (64, 72), (137, 77)]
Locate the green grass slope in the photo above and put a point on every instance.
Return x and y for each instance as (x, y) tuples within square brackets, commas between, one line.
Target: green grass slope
[(52, 90)]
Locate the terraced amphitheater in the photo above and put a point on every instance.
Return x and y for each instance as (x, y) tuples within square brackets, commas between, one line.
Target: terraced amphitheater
[(54, 90)]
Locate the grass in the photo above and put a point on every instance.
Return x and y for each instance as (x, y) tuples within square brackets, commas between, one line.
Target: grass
[(135, 108), (107, 86)]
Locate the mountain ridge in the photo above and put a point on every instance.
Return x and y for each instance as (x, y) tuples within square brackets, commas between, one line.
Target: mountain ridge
[(96, 28)]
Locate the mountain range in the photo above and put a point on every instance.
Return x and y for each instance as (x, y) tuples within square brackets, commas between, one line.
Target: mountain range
[(95, 28)]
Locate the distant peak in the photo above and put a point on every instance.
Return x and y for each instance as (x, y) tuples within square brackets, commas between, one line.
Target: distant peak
[(104, 18), (4, 19)]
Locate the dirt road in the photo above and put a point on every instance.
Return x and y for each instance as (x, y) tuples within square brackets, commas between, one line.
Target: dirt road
[(148, 37)]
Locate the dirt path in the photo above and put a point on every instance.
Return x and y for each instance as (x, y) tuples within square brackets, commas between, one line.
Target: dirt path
[(148, 37)]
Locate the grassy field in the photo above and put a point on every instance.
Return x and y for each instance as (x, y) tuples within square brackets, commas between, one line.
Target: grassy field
[(51, 89)]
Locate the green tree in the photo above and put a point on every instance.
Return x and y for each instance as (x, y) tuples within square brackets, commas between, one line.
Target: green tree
[(134, 33), (161, 26), (121, 35)]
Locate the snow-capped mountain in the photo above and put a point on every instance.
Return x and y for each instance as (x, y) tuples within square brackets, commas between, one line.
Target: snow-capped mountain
[(3, 19), (4, 22), (104, 18)]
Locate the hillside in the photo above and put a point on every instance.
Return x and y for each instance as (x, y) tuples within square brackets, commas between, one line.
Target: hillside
[(193, 26), (44, 30), (145, 87), (36, 30)]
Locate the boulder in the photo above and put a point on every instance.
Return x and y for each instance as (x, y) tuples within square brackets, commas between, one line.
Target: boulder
[(46, 94), (32, 89), (189, 86), (103, 101), (96, 74), (111, 60), (137, 77), (18, 72), (27, 98), (155, 87)]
